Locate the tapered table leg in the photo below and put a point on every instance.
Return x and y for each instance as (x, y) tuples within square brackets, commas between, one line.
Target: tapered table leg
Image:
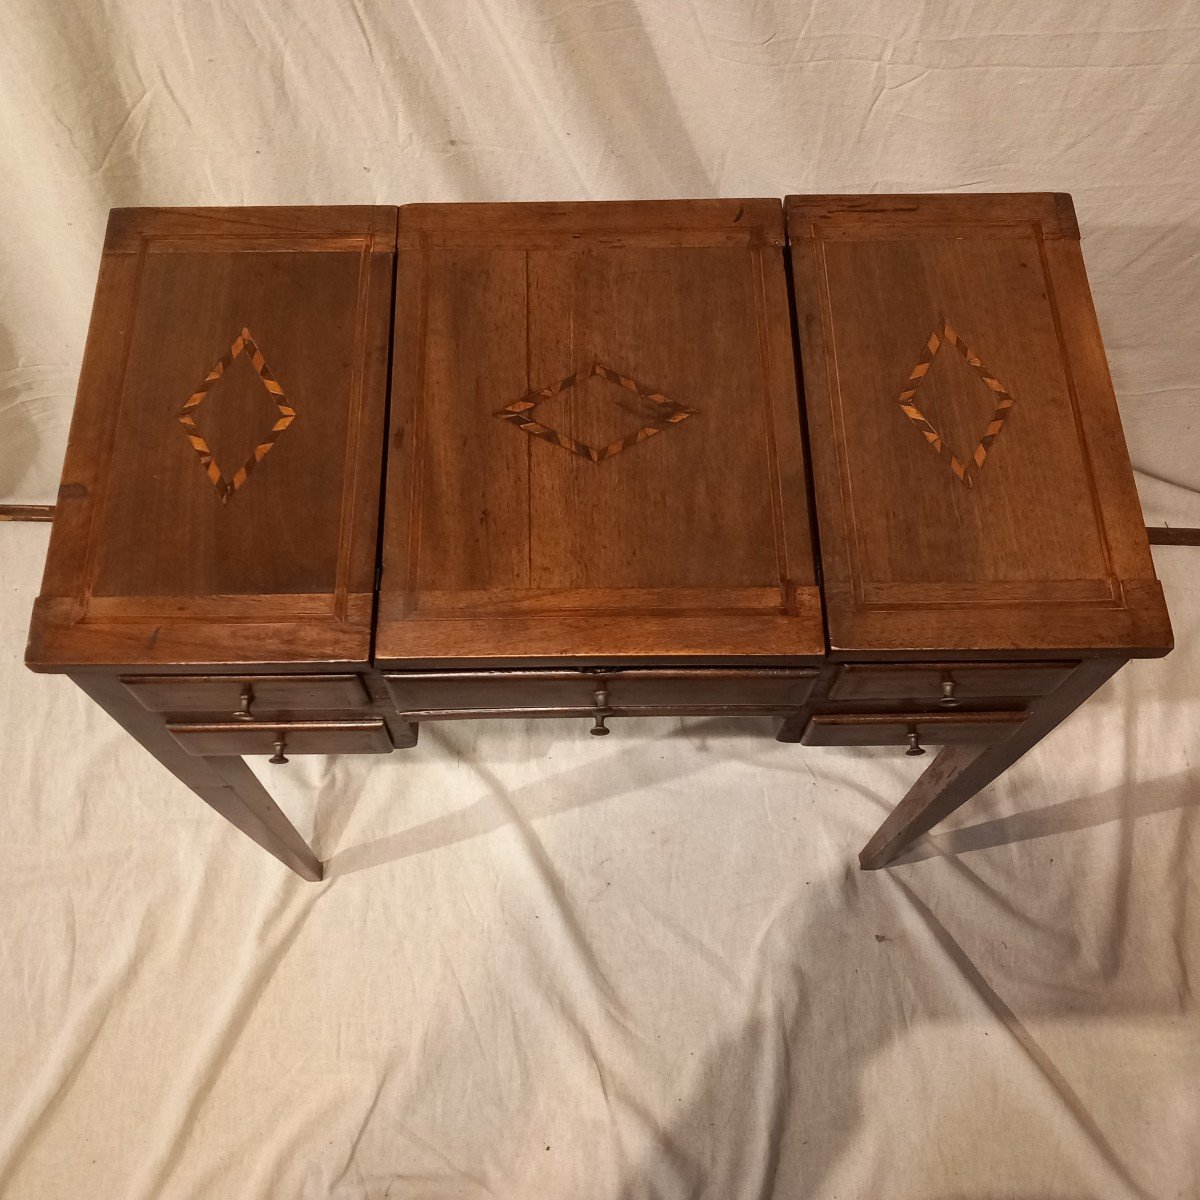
[(958, 772), (942, 787), (224, 783), (245, 803)]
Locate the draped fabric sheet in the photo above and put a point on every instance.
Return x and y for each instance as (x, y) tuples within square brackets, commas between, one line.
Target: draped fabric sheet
[(644, 967), (638, 968)]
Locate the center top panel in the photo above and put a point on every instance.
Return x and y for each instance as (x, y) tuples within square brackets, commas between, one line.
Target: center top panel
[(595, 440)]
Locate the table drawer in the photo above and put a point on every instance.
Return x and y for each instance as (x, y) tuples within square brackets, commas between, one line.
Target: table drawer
[(368, 736), (765, 687), (896, 729), (683, 689), (247, 696), (947, 684)]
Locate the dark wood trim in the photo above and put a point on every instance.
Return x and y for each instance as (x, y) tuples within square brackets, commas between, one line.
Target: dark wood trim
[(26, 512), (1161, 536)]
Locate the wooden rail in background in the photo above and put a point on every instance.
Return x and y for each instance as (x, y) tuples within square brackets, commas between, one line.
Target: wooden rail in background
[(26, 512), (1173, 537), (1159, 535)]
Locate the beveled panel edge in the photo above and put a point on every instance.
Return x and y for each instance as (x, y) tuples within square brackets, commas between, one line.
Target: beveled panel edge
[(569, 639), (1085, 364), (764, 215), (253, 228), (218, 643), (1140, 629), (1054, 212)]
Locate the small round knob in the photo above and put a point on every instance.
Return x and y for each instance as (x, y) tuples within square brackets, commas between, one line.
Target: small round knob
[(949, 699), (914, 745), (243, 712), (278, 756), (603, 712)]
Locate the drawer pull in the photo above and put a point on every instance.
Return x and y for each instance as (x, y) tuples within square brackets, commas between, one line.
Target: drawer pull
[(247, 698), (914, 744), (948, 700), (602, 713), (280, 757)]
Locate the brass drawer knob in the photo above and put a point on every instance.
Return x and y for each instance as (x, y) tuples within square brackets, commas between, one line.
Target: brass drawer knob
[(914, 744), (949, 699), (243, 711), (599, 729), (278, 756)]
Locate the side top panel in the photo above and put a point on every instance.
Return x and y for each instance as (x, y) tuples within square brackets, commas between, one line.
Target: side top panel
[(973, 488), (220, 494)]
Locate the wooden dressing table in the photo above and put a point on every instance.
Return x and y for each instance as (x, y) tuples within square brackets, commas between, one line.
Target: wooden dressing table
[(336, 472)]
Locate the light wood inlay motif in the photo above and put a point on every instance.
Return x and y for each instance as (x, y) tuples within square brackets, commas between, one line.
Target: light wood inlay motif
[(658, 413), (964, 473), (287, 414)]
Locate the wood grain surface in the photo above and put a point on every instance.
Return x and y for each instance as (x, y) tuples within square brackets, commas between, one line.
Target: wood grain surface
[(585, 536), (975, 313), (152, 558)]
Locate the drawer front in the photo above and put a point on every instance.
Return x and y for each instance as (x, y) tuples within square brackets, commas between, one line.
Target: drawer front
[(896, 729), (683, 689), (947, 684), (291, 737), (767, 688), (247, 695)]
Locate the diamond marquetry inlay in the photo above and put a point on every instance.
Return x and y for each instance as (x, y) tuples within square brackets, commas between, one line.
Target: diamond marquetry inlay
[(226, 486), (652, 409), (964, 472)]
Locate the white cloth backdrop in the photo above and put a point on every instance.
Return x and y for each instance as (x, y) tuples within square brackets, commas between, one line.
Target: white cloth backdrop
[(546, 966), (366, 101)]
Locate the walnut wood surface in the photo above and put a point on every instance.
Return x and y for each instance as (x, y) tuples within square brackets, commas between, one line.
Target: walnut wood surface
[(253, 340), (939, 331), (596, 451)]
